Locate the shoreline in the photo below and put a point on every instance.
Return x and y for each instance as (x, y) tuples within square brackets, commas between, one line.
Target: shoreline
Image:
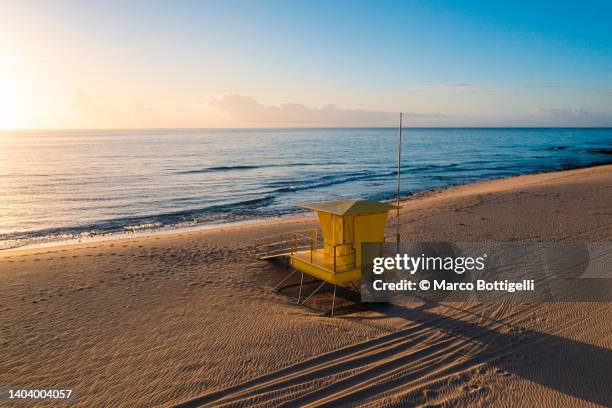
[(294, 217), (170, 230)]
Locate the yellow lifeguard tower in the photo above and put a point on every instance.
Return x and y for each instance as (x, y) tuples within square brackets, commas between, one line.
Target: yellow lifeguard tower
[(332, 254)]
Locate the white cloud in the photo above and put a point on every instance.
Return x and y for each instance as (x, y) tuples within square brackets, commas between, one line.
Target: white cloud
[(571, 117), (246, 111)]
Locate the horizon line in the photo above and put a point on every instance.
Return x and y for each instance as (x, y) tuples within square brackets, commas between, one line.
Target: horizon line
[(304, 128)]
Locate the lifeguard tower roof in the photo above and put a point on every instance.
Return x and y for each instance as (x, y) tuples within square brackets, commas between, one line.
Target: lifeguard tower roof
[(348, 207)]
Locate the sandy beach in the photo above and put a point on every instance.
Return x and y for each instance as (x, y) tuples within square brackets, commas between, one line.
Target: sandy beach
[(191, 318)]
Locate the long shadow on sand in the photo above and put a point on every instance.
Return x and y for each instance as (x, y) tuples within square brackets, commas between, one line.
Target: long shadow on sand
[(572, 367), (397, 362)]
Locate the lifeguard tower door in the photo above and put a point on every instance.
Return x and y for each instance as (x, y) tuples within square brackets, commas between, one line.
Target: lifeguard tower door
[(368, 228), (338, 240)]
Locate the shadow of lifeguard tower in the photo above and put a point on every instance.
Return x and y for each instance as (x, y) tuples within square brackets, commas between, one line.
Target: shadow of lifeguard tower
[(333, 254)]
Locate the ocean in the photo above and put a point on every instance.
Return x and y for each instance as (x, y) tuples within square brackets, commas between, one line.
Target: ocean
[(75, 184)]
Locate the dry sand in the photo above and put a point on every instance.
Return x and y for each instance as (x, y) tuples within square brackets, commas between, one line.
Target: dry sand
[(192, 318)]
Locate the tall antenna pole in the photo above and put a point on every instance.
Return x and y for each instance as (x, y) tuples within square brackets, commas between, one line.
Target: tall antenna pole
[(399, 165)]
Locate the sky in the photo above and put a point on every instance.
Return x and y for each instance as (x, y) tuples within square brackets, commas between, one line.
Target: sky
[(148, 64)]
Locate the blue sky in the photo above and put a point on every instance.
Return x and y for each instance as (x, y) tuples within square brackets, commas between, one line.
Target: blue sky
[(311, 63)]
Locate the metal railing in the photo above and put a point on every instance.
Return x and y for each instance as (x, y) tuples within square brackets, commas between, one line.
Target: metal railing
[(280, 244), (309, 246)]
